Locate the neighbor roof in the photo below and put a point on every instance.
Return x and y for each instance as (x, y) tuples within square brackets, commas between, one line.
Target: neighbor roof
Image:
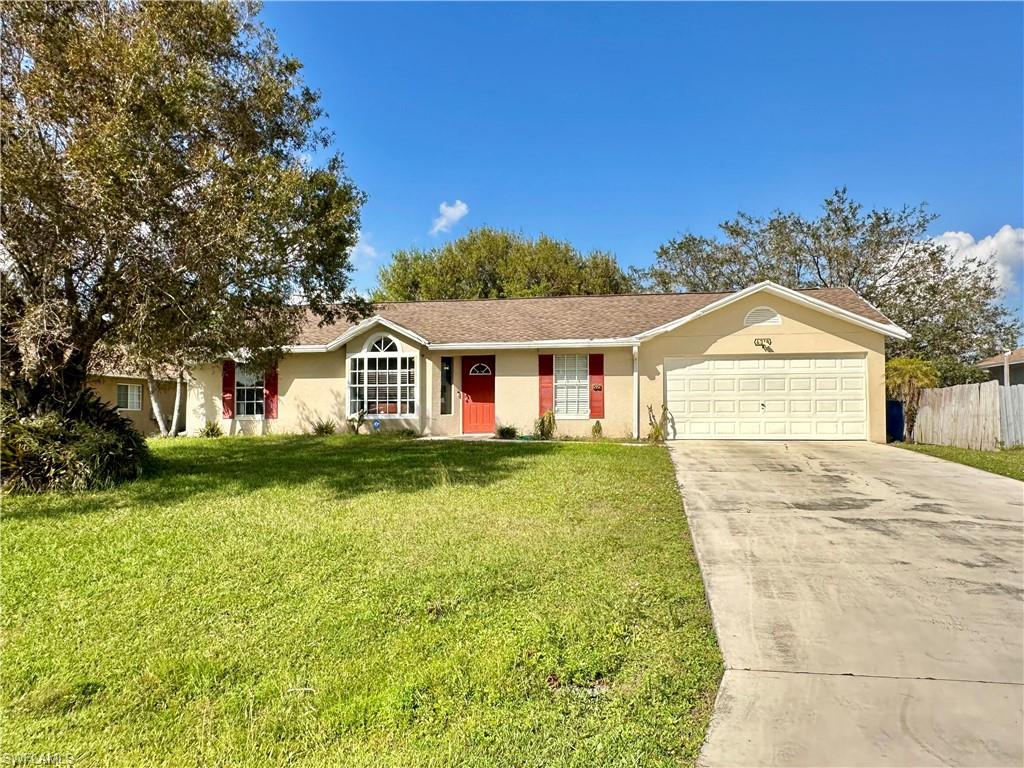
[(525, 320), (996, 361)]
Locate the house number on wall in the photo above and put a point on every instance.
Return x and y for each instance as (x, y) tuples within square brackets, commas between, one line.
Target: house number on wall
[(765, 344)]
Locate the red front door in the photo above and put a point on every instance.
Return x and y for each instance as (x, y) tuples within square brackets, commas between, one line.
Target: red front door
[(477, 394)]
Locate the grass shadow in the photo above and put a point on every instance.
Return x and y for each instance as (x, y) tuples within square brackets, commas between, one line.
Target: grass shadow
[(343, 466)]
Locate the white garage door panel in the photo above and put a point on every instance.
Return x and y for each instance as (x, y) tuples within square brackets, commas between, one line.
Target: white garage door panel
[(770, 398)]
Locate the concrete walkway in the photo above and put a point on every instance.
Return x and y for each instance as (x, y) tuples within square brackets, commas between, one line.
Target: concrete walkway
[(869, 603)]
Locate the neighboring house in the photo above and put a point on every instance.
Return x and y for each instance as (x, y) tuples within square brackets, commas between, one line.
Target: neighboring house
[(766, 362), (129, 393), (996, 365)]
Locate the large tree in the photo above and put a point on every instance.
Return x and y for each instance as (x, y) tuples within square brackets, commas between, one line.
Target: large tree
[(494, 263), (951, 305), (157, 192)]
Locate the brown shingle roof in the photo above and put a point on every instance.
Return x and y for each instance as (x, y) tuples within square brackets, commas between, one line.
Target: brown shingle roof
[(477, 321), (1017, 356)]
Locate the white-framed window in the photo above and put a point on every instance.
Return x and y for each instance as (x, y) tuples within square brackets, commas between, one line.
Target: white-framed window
[(382, 380), (383, 344), (762, 316), (129, 397), (572, 386), (249, 392)]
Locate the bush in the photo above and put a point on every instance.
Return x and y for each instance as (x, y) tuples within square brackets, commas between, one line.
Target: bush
[(506, 432), (905, 377), (324, 427), (596, 431), (93, 447), (212, 429), (355, 423), (544, 427), (659, 426)]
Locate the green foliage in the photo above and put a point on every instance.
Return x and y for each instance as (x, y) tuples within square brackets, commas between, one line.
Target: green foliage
[(97, 448), (493, 263), (355, 423), (544, 427), (506, 432), (597, 431), (157, 191), (211, 429), (456, 591), (952, 307), (658, 426), (905, 377), (952, 371), (324, 427)]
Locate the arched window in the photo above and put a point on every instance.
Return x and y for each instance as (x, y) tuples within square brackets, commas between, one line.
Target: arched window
[(383, 344), (762, 316), (480, 369), (382, 380)]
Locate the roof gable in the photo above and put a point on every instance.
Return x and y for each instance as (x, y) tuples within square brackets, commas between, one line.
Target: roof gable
[(804, 298)]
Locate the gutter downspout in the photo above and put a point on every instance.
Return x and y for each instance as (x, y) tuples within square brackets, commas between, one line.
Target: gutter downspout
[(636, 391), (1006, 368)]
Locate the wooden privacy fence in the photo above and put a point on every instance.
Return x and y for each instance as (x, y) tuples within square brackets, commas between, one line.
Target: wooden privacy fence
[(983, 416)]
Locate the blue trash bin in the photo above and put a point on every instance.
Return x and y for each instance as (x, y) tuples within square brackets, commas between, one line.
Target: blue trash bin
[(895, 424)]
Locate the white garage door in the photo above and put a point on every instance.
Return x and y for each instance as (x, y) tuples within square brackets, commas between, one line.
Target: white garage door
[(766, 398)]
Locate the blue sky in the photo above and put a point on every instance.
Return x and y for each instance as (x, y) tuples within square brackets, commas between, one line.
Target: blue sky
[(619, 126)]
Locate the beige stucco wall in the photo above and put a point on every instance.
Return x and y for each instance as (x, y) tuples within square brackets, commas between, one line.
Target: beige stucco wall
[(310, 387), (143, 420), (517, 391), (438, 423), (803, 331), (313, 385)]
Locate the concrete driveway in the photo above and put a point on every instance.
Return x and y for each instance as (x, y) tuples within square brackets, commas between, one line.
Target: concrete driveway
[(868, 601)]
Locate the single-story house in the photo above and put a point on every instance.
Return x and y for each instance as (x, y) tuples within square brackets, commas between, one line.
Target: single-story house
[(997, 364), (766, 362), (129, 393)]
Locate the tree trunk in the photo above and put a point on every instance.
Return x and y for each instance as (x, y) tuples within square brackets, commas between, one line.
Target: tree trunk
[(155, 402), (179, 385)]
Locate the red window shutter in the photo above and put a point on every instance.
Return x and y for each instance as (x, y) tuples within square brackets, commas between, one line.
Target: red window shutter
[(546, 370), (597, 386), (270, 393), (227, 389)]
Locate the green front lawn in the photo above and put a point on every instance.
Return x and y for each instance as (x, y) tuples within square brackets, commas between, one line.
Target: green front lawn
[(1009, 463), (360, 601)]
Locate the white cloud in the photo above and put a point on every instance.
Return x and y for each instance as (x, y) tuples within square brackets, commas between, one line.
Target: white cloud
[(364, 254), (365, 262), (1006, 245), (450, 215)]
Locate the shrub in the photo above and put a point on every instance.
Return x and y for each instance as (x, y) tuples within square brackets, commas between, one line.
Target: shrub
[(544, 427), (93, 447), (596, 431), (355, 423), (211, 429), (905, 377), (324, 427), (406, 433), (659, 426), (506, 432)]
